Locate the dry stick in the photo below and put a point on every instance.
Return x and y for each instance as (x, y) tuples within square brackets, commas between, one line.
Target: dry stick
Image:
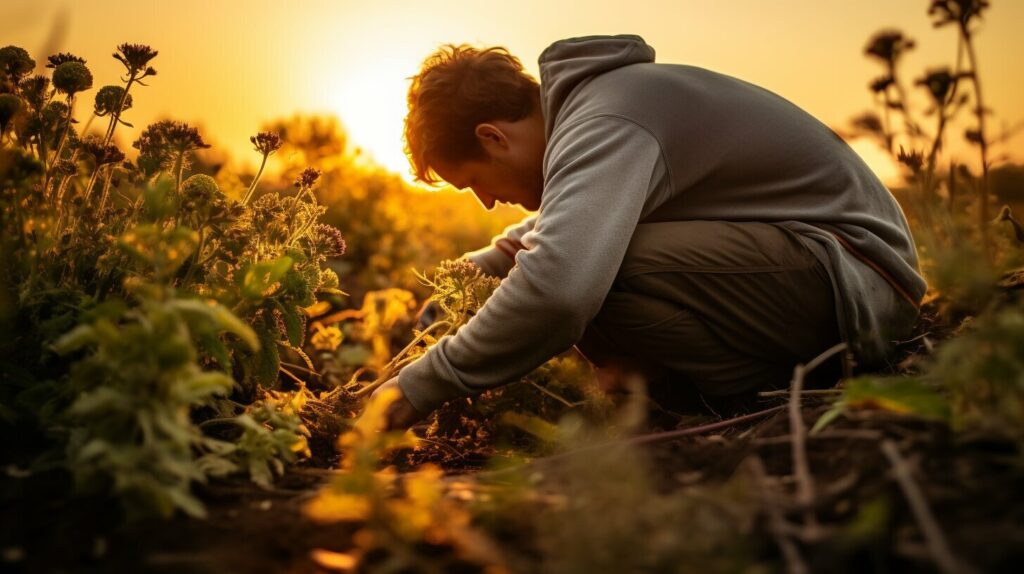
[(810, 393), (777, 524), (934, 539), (805, 482)]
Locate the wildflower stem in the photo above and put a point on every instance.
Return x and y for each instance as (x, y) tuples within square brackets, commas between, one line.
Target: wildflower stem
[(92, 181), (106, 189), (179, 167), (252, 186), (941, 108), (197, 261), (60, 143), (117, 113), (983, 214)]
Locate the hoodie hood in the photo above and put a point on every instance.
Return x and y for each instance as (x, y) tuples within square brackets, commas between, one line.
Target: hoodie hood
[(567, 63)]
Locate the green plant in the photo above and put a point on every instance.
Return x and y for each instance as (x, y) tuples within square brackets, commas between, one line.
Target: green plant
[(167, 299), (131, 394)]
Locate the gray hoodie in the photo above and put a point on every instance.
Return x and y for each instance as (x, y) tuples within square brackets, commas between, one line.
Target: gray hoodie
[(630, 141)]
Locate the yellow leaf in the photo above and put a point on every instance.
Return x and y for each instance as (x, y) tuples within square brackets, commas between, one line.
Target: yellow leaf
[(329, 506), (333, 560)]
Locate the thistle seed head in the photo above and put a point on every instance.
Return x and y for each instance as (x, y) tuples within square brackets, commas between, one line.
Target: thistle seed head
[(103, 154), (36, 91), (307, 178), (266, 143), (72, 77), (15, 62), (108, 98), (888, 46), (56, 60), (135, 58), (959, 11)]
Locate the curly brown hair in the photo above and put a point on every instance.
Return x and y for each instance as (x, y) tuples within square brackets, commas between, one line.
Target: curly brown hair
[(457, 88)]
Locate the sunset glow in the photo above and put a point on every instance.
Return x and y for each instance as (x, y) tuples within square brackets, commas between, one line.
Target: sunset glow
[(242, 64)]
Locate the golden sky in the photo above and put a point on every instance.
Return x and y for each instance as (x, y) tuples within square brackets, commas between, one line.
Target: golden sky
[(231, 65)]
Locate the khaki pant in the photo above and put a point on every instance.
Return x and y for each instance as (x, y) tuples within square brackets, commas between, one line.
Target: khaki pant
[(729, 307)]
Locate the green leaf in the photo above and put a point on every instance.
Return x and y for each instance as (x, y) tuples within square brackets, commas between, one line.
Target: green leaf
[(215, 348), (268, 360), (219, 316), (905, 395), (204, 385), (826, 419), (185, 501), (75, 339), (254, 280), (293, 323)]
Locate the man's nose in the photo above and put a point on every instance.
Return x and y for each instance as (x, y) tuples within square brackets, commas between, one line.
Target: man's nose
[(487, 200)]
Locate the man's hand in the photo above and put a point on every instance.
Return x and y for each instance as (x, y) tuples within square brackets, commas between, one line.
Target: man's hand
[(401, 414)]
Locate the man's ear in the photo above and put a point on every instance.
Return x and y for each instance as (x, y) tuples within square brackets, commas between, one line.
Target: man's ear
[(491, 138)]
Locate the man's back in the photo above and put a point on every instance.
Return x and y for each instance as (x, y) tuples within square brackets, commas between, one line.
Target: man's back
[(731, 150)]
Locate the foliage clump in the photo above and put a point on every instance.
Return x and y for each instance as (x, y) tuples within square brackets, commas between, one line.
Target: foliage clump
[(152, 306)]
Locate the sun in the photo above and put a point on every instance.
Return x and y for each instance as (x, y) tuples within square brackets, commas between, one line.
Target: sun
[(370, 100)]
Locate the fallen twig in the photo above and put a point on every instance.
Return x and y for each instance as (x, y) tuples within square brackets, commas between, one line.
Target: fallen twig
[(835, 434), (798, 433), (809, 393), (935, 540)]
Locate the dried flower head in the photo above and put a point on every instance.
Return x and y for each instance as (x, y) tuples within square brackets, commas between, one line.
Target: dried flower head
[(266, 142), (939, 82), (108, 98), (888, 46), (103, 154), (329, 241), (72, 77), (959, 11), (913, 159), (50, 123), (10, 105), (15, 62), (36, 91), (164, 142), (307, 178), (56, 60), (135, 58), (881, 84)]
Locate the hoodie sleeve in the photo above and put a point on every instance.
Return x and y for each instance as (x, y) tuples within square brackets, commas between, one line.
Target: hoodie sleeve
[(499, 257), (598, 177)]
